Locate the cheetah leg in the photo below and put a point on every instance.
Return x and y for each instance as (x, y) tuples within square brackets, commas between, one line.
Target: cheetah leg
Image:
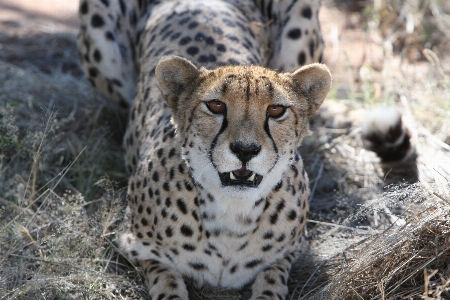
[(300, 40), (105, 46), (271, 283), (163, 282)]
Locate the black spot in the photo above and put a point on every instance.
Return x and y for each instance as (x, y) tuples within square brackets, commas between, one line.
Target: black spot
[(185, 40), (198, 266), (164, 29), (166, 186), (84, 8), (93, 72), (175, 36), (199, 37), (229, 23), (186, 230), (253, 263), (273, 218), (123, 8), (258, 203), (292, 215), (217, 30), (266, 247), (307, 12), (295, 170), (269, 279), (155, 176), (150, 234), (203, 59), (172, 152), (140, 209), (311, 48), (192, 25), (188, 186), (189, 247), (279, 186), (295, 33), (144, 222), (268, 293), (182, 206), (193, 50), (268, 235), (243, 246), (134, 253), (139, 235), (173, 285), (210, 197), (232, 38), (161, 296), (105, 2), (233, 269), (280, 205), (169, 231), (301, 58), (195, 215), (209, 40), (221, 48), (97, 21), (212, 58)]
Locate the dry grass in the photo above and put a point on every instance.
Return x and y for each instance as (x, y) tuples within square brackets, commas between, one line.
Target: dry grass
[(58, 138)]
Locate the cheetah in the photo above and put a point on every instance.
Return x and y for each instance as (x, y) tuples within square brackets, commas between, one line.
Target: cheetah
[(218, 193)]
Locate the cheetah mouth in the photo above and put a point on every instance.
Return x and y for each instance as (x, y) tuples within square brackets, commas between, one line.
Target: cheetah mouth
[(241, 177)]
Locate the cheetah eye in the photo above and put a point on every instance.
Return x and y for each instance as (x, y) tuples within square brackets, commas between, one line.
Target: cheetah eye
[(276, 111), (216, 106)]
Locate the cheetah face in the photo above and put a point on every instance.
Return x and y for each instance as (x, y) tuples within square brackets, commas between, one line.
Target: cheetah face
[(240, 126)]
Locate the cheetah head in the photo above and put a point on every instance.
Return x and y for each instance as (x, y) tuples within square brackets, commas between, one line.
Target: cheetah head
[(240, 126)]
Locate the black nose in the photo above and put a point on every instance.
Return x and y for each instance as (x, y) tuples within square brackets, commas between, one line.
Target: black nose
[(245, 152)]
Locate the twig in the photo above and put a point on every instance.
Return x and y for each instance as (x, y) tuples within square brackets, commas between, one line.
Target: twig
[(316, 181), (310, 277)]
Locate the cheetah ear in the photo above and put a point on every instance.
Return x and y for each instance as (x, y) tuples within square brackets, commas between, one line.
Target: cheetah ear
[(313, 83), (173, 75)]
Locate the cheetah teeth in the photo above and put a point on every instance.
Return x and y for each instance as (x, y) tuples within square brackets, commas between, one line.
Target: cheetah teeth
[(251, 178)]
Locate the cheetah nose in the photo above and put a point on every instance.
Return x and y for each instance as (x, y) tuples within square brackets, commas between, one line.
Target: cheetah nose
[(245, 152)]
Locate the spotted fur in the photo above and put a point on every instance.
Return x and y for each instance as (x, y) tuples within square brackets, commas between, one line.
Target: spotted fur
[(196, 125)]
